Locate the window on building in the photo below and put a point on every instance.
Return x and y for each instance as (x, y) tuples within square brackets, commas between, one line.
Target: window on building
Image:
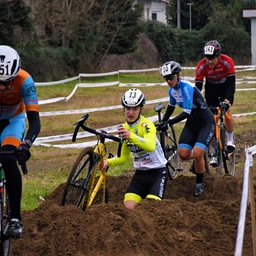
[(154, 16)]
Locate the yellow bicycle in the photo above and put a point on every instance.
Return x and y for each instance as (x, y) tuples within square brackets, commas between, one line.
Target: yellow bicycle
[(86, 184)]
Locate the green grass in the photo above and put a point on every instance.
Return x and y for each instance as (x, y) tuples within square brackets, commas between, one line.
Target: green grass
[(38, 185)]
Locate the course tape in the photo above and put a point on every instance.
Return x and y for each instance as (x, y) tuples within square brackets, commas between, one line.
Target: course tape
[(48, 101), (244, 68), (244, 200), (88, 110), (40, 141)]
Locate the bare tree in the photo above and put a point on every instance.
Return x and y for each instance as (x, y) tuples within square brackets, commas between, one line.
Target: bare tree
[(90, 27)]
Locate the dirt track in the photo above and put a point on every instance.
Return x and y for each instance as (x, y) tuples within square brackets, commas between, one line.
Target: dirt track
[(180, 225)]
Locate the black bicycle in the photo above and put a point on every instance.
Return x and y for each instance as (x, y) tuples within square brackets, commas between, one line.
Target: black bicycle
[(86, 184), (169, 145), (5, 211)]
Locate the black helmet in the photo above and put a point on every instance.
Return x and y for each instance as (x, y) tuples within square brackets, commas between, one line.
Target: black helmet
[(212, 49), (170, 68)]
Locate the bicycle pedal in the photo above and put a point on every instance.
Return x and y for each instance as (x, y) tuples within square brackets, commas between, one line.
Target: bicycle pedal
[(229, 153), (179, 169)]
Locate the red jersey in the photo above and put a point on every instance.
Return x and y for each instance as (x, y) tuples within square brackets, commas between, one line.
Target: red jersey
[(217, 75)]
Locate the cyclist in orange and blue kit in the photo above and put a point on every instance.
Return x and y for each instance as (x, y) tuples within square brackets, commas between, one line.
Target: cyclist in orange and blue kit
[(141, 142), (18, 98)]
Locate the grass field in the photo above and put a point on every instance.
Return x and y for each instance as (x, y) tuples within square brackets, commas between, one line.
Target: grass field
[(49, 166)]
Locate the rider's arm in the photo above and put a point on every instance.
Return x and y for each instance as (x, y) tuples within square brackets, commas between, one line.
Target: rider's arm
[(34, 126), (231, 88), (182, 116), (125, 157), (29, 96), (199, 85), (148, 141), (200, 73), (168, 112)]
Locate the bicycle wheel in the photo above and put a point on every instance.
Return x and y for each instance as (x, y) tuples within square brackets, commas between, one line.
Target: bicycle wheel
[(220, 158), (206, 164), (171, 153), (75, 186), (5, 241), (228, 157)]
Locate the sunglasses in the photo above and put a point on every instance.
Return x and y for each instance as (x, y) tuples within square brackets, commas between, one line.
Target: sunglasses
[(211, 57), (170, 77), (6, 84)]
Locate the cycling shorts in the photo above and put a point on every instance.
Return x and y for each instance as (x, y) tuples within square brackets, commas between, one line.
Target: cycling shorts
[(12, 130), (196, 134), (147, 184)]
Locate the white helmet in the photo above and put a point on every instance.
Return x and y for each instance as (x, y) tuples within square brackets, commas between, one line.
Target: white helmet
[(9, 63), (170, 68), (133, 98)]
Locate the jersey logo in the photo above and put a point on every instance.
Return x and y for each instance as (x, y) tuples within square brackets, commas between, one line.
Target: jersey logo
[(147, 129)]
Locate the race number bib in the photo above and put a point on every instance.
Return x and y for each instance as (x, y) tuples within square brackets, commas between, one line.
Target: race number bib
[(209, 50)]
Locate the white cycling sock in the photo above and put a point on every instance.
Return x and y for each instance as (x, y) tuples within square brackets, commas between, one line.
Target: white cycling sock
[(231, 136)]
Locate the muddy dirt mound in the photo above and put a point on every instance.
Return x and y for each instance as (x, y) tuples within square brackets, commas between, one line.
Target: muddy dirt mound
[(180, 225)]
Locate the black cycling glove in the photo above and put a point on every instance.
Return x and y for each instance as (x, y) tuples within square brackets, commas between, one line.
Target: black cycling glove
[(24, 155), (225, 106), (163, 126)]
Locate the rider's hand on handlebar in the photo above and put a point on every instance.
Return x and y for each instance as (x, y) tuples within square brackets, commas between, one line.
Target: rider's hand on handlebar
[(24, 154), (163, 126), (226, 106), (125, 133)]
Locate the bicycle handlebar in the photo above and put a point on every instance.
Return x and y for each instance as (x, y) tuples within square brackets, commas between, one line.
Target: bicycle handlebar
[(14, 152), (101, 134), (221, 107)]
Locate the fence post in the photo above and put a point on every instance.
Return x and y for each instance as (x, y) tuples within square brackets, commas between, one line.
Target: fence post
[(252, 203)]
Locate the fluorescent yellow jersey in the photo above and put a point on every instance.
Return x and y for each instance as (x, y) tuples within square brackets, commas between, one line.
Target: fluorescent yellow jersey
[(143, 145)]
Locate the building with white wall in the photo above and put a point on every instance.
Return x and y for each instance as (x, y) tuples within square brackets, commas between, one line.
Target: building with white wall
[(154, 10), (251, 14)]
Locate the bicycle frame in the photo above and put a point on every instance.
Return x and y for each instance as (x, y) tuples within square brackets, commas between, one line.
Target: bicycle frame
[(169, 147), (4, 215), (219, 120), (100, 150), (4, 202), (224, 156)]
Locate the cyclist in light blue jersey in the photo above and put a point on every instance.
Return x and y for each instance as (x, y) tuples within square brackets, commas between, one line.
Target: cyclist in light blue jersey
[(199, 128)]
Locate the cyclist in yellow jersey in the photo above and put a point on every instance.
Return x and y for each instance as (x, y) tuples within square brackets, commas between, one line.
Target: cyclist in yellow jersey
[(140, 141)]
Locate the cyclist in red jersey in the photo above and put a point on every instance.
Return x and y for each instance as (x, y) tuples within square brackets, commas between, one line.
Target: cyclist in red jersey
[(18, 100), (219, 72)]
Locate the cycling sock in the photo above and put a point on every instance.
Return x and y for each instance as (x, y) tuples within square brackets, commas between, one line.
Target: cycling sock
[(230, 136), (199, 178), (213, 149)]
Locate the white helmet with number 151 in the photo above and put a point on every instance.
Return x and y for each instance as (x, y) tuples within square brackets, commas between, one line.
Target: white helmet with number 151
[(9, 63)]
